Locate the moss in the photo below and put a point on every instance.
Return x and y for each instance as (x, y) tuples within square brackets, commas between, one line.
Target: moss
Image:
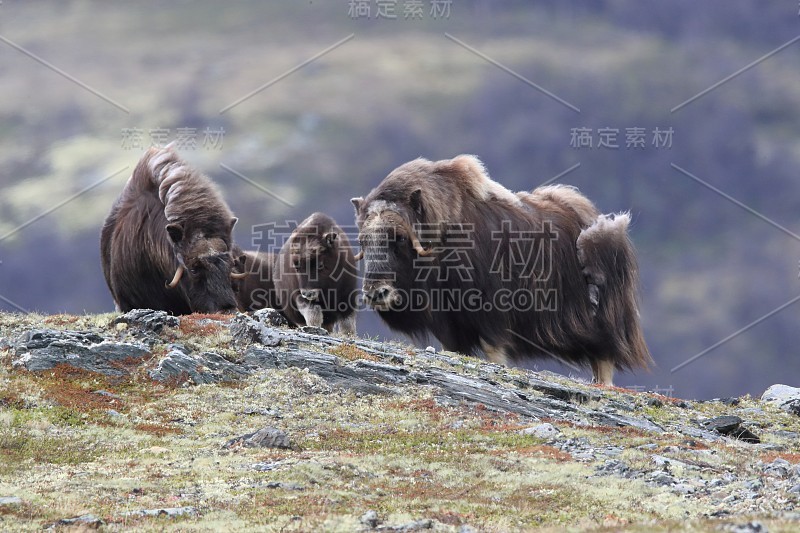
[(405, 455)]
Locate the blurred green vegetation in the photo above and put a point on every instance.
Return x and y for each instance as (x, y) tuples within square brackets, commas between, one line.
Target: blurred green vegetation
[(401, 89)]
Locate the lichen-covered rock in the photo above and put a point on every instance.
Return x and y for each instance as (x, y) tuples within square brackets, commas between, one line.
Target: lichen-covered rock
[(267, 437), (45, 349), (784, 396), (246, 331), (79, 523), (271, 317), (542, 431), (206, 367), (148, 319)]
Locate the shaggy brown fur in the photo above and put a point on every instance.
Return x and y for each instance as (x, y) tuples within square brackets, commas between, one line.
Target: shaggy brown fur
[(257, 290), (169, 218), (315, 276), (578, 265)]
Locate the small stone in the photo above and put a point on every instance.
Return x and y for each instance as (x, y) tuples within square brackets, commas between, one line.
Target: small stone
[(683, 488), (748, 527), (165, 511), (285, 486), (660, 460), (795, 489), (246, 331), (754, 484), (271, 317), (107, 394), (266, 467), (370, 519), (10, 500), (542, 431), (148, 319), (313, 330), (267, 437), (89, 521), (430, 349), (730, 401), (416, 525), (661, 478), (777, 468), (655, 402), (731, 426)]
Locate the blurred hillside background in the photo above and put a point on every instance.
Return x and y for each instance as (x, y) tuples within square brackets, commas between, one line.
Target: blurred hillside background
[(400, 88)]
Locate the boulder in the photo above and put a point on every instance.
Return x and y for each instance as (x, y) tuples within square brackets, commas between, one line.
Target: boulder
[(783, 396)]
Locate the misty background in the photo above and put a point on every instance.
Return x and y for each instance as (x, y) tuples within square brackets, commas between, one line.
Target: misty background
[(87, 86)]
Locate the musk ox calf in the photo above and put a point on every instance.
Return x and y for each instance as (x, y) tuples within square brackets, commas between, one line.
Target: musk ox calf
[(315, 276), (169, 223), (256, 290), (452, 253)]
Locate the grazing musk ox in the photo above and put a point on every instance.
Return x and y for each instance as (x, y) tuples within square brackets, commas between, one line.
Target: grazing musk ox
[(315, 276), (514, 275), (169, 223)]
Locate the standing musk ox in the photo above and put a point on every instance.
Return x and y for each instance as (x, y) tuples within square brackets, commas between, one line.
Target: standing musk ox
[(315, 276), (169, 223), (568, 274)]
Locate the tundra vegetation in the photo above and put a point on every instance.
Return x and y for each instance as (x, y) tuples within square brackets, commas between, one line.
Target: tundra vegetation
[(379, 435)]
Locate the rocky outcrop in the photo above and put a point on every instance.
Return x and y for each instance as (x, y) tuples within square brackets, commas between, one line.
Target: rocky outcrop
[(44, 349), (287, 394), (376, 368)]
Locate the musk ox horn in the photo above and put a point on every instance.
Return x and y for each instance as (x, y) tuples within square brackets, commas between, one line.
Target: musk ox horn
[(359, 256), (238, 275), (418, 245), (176, 278)]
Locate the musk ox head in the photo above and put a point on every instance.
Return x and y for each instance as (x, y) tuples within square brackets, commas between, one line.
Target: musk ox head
[(316, 254), (208, 270), (394, 234)]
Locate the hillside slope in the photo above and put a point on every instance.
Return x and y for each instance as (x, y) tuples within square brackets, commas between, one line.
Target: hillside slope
[(208, 422)]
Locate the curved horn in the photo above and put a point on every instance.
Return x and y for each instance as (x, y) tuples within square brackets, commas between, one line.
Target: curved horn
[(418, 245), (359, 256), (176, 279), (238, 275)]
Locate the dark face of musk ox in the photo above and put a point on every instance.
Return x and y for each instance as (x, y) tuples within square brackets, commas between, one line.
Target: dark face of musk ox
[(315, 259), (207, 271), (391, 248)]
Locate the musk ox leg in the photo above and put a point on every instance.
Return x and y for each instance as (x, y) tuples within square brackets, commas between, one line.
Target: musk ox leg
[(495, 354), (603, 372), (312, 313), (347, 326)]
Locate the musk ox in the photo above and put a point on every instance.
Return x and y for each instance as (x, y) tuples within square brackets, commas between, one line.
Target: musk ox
[(169, 223), (450, 252), (315, 276), (256, 290)]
